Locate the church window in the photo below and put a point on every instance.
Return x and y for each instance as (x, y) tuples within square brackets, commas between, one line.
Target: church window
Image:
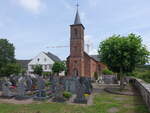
[(75, 31)]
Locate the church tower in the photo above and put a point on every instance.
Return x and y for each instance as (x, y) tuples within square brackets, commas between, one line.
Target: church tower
[(76, 59)]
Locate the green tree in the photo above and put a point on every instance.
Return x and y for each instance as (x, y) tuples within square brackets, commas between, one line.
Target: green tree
[(122, 54), (7, 54), (38, 70), (58, 67), (11, 68)]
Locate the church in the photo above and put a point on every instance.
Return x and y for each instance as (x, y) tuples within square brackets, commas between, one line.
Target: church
[(79, 63)]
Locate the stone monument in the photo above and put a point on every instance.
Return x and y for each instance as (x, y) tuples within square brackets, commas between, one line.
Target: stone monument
[(6, 92)]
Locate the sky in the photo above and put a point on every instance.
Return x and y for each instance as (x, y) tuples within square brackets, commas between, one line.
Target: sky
[(34, 25)]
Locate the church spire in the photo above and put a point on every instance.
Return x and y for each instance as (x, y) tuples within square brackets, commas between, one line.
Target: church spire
[(77, 18)]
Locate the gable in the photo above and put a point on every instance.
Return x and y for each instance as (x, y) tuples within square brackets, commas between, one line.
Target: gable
[(41, 58)]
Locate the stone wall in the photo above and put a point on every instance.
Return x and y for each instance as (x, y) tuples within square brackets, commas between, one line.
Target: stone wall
[(144, 89)]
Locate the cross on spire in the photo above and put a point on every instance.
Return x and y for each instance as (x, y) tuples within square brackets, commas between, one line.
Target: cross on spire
[(77, 18), (77, 4)]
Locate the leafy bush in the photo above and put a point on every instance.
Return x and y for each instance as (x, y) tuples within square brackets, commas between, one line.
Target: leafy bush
[(146, 76), (38, 70), (107, 72), (58, 67), (47, 73), (67, 94), (47, 83), (142, 73)]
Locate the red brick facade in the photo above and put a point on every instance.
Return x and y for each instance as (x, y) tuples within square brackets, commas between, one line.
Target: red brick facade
[(79, 62)]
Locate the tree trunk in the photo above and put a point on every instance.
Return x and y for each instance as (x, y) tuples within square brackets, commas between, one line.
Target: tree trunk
[(121, 79), (57, 74), (122, 82)]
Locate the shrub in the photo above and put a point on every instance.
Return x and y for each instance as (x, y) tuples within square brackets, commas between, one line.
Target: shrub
[(107, 72), (146, 76), (67, 94), (47, 83), (47, 73), (142, 73)]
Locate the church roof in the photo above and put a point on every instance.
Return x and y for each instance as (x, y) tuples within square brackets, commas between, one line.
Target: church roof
[(77, 18), (96, 57)]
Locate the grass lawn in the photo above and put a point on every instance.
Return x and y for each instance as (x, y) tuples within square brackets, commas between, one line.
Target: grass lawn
[(103, 103)]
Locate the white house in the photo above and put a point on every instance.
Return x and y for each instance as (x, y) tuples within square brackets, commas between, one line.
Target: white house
[(46, 60)]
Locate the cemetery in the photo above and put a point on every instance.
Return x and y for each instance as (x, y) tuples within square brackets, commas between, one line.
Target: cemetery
[(114, 80), (54, 89), (68, 93)]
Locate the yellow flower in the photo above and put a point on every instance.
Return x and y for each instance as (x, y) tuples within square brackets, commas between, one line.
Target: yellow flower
[(86, 95)]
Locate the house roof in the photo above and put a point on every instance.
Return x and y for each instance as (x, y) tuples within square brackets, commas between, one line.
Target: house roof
[(53, 57), (23, 63)]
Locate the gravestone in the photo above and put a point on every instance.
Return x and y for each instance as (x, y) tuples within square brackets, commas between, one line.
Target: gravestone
[(21, 89), (6, 92), (87, 85), (57, 89), (110, 79), (80, 97), (29, 83), (41, 92), (70, 84)]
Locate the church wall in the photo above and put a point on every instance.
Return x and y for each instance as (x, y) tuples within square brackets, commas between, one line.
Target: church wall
[(87, 71), (75, 66), (93, 67)]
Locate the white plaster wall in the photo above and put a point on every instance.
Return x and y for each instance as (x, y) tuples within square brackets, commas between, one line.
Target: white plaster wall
[(42, 56)]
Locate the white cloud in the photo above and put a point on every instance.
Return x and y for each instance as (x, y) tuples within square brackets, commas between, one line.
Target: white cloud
[(93, 52), (89, 45), (33, 6)]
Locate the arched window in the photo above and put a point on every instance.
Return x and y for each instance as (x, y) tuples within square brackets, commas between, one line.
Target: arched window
[(75, 31)]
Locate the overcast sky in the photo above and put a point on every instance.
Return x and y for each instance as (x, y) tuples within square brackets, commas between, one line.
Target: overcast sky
[(33, 25)]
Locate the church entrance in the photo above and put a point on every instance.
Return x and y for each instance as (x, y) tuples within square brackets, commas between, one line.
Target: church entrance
[(76, 72)]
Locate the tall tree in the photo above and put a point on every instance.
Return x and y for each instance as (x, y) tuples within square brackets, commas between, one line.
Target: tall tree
[(58, 67), (122, 54), (7, 54)]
